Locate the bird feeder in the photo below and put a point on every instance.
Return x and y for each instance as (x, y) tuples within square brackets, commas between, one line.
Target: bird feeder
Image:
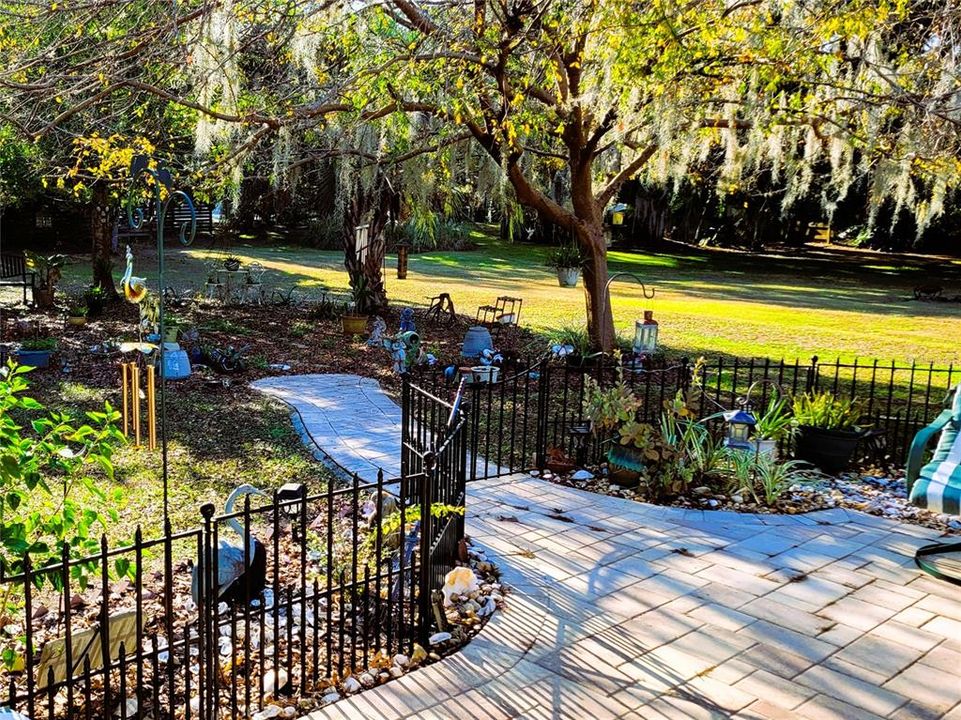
[(618, 214), (645, 334), (739, 426), (403, 253)]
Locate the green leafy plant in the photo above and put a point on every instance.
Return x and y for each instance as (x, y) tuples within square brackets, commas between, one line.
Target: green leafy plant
[(324, 310), (361, 294), (39, 344), (563, 257), (48, 268), (300, 328), (77, 308), (47, 461), (773, 478), (607, 408), (824, 410), (95, 298), (572, 335), (776, 422)]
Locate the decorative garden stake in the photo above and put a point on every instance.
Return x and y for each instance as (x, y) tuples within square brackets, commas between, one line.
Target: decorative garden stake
[(161, 182), (739, 426), (376, 338), (645, 331)]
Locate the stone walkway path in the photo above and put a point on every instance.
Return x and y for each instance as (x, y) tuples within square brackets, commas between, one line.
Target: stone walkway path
[(347, 420), (627, 610)]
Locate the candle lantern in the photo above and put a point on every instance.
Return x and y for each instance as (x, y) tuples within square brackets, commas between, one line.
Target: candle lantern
[(645, 334), (739, 426)]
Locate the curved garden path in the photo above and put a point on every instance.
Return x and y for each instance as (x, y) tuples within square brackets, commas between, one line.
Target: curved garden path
[(625, 610)]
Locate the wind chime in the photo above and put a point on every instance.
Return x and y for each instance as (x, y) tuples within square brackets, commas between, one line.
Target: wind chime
[(160, 183), (132, 394)]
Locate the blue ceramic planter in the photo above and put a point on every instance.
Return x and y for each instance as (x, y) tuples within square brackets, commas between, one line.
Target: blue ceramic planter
[(34, 358)]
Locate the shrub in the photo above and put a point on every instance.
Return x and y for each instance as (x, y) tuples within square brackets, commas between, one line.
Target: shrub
[(39, 344), (46, 460), (823, 410)]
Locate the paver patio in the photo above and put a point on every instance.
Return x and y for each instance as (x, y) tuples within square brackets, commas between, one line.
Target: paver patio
[(627, 610)]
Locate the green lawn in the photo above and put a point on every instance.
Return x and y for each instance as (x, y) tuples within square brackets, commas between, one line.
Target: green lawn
[(829, 302)]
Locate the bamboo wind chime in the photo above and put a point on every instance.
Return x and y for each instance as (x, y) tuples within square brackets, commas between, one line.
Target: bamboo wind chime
[(132, 394)]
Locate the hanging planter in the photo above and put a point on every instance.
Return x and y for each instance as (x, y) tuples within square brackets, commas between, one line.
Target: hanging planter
[(567, 277), (566, 260)]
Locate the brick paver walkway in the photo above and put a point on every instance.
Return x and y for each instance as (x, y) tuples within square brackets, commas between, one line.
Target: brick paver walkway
[(628, 610)]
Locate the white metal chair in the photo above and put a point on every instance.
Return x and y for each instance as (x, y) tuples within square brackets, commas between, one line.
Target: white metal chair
[(253, 291)]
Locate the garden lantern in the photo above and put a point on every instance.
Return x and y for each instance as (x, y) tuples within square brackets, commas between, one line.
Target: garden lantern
[(739, 425), (288, 493), (580, 432), (645, 334)]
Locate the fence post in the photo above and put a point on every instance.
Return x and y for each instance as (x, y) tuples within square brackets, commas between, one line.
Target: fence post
[(543, 405), (811, 381), (426, 561), (405, 422), (207, 611)]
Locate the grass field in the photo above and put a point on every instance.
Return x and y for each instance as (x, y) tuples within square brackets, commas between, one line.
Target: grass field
[(830, 302)]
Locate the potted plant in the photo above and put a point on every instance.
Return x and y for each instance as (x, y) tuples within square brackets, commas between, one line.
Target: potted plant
[(36, 352), (774, 426), (171, 329), (828, 431), (48, 269), (354, 318), (566, 260), (96, 298), (77, 313), (232, 264)]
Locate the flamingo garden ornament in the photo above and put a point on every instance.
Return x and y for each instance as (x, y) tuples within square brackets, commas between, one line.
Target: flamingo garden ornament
[(134, 288), (241, 575)]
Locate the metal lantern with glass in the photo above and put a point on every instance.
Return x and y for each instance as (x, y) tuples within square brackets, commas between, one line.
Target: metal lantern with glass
[(645, 334), (740, 423)]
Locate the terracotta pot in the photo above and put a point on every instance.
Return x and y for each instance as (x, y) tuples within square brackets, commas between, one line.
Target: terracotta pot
[(354, 324)]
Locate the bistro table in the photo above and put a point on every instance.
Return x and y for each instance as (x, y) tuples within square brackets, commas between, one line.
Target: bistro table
[(232, 283)]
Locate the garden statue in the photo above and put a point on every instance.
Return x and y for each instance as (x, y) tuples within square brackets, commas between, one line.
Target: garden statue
[(377, 333), (241, 572), (405, 350), (490, 357), (135, 291), (407, 320)]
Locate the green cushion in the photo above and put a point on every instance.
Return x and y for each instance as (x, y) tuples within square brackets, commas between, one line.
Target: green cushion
[(938, 486)]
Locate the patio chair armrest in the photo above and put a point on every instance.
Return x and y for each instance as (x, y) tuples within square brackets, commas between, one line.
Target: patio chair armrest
[(920, 443)]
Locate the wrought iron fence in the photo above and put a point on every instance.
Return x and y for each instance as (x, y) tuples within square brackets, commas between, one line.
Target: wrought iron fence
[(321, 583), (536, 408)]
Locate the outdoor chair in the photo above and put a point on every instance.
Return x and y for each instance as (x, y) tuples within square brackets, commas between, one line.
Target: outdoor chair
[(253, 291), (936, 485)]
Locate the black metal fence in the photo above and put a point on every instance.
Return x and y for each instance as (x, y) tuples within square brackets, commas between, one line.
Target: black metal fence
[(534, 409), (333, 578)]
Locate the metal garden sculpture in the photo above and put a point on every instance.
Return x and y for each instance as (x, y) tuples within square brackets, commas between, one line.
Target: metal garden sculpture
[(160, 185)]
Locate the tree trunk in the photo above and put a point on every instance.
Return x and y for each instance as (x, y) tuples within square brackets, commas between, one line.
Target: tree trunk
[(101, 232), (600, 319), (371, 266)]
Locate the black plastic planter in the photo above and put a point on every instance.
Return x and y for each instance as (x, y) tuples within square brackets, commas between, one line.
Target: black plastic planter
[(830, 450)]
